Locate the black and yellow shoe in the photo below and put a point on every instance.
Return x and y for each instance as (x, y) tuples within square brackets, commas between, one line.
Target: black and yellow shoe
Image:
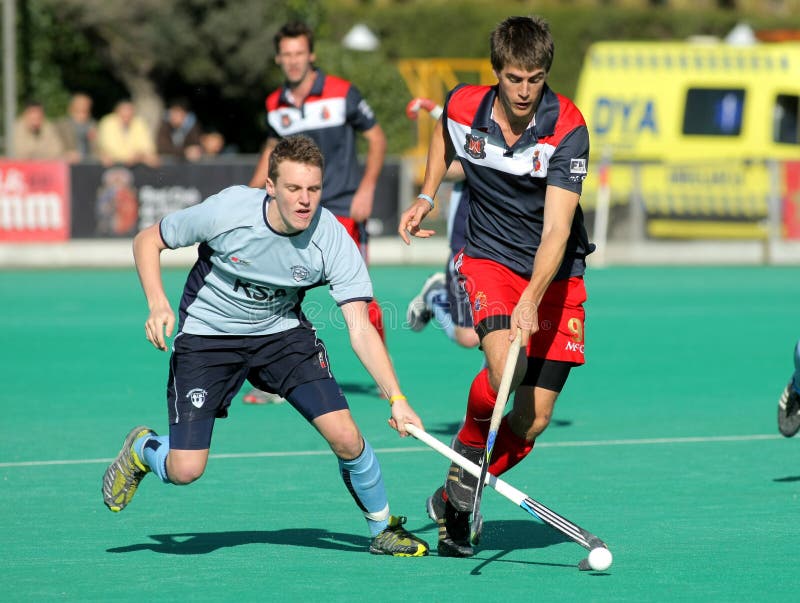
[(124, 474), (395, 540), (453, 526)]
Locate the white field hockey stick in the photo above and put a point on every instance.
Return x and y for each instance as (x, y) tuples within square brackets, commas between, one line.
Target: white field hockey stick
[(575, 533), (494, 425)]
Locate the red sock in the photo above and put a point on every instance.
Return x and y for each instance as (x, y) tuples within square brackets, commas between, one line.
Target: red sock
[(509, 449), (479, 410), (376, 318)]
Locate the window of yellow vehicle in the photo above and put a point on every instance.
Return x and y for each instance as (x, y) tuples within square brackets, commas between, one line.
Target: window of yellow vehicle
[(713, 111), (786, 125)]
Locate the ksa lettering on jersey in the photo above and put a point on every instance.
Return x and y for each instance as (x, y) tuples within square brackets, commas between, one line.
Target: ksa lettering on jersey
[(250, 279)]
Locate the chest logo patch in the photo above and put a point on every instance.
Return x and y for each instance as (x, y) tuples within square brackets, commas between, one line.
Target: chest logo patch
[(475, 146), (286, 121), (300, 273)]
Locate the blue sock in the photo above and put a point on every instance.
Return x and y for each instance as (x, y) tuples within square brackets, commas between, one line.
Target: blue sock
[(436, 300), (796, 376), (363, 479), (153, 451)]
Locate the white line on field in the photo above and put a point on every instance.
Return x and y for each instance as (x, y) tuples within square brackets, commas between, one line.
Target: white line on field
[(405, 450)]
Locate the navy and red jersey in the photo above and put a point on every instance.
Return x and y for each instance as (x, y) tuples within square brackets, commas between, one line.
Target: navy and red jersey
[(331, 114), (507, 184)]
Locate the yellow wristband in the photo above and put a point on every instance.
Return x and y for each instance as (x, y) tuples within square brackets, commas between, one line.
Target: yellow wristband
[(394, 399)]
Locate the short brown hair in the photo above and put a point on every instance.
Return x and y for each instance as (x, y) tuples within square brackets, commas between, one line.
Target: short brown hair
[(524, 42), (294, 29), (300, 149)]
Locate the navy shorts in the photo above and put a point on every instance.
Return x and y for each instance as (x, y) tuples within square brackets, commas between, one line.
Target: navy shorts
[(206, 372)]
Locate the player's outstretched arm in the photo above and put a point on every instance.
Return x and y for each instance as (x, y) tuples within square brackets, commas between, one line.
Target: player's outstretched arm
[(147, 248), (371, 351)]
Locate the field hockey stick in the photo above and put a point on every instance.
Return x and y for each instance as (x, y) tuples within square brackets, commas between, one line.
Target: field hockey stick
[(545, 515), (494, 425)]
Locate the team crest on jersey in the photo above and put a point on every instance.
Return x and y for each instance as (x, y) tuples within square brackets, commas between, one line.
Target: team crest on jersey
[(475, 146), (537, 163), (480, 301), (197, 396), (286, 121), (299, 273), (326, 114), (321, 358)]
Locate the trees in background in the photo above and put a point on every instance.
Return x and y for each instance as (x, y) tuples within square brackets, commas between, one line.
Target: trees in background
[(219, 53)]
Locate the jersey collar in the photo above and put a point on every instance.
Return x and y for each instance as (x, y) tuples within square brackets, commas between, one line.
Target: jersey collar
[(544, 119), (316, 88)]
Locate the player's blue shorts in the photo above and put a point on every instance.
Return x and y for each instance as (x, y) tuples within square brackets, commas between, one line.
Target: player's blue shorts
[(206, 372)]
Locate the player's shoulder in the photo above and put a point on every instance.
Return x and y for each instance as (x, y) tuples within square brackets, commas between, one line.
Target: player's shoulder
[(464, 100), (335, 86), (273, 99), (327, 223), (569, 116), (239, 192), (328, 232), (235, 202)]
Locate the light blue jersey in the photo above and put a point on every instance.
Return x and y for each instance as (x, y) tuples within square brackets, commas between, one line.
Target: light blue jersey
[(250, 279)]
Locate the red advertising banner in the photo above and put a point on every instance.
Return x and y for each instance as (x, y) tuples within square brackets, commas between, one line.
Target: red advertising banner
[(791, 200), (34, 201)]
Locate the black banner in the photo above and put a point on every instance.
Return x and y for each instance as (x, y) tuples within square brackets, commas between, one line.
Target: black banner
[(119, 201)]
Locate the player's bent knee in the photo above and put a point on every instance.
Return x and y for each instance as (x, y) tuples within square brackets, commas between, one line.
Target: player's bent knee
[(184, 470), (341, 433), (348, 446), (466, 338), (540, 423), (184, 475)]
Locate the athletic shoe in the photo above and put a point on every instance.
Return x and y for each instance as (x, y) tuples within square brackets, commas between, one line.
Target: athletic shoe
[(256, 396), (419, 314), (395, 540), (789, 411), (453, 526), (124, 474)]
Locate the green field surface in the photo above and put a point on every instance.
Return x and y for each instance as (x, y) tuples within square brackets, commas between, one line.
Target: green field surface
[(665, 445)]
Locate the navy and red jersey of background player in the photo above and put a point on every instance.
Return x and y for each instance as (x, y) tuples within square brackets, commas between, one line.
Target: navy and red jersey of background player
[(331, 115), (507, 184)]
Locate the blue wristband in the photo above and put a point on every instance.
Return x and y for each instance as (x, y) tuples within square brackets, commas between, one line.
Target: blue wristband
[(427, 198)]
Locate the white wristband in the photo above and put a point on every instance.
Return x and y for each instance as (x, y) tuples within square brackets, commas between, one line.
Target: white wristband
[(427, 198)]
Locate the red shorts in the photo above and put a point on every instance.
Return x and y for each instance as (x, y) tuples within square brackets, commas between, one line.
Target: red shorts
[(494, 291), (357, 232)]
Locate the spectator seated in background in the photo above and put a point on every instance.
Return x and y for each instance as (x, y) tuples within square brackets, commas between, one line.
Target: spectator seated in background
[(179, 133), (213, 144), (35, 137), (124, 138), (78, 129)]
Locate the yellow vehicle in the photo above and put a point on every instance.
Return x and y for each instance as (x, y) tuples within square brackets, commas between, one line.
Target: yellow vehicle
[(695, 134)]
